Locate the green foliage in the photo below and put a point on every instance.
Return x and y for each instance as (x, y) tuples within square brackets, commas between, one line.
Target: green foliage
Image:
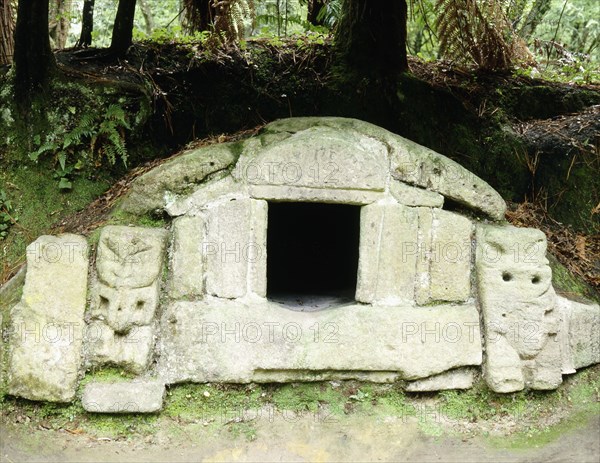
[(95, 137), (173, 35), (7, 214), (475, 32), (331, 13), (189, 402), (280, 18), (164, 14), (421, 38), (38, 204), (574, 25)]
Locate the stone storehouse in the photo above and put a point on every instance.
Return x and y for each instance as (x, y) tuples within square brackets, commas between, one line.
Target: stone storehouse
[(322, 248)]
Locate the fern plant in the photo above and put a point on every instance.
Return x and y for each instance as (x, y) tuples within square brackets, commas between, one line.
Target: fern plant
[(478, 32), (231, 18), (95, 137), (7, 217), (109, 140)]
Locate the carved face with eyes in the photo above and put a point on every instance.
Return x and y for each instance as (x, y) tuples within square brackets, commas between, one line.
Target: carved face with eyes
[(127, 258), (517, 283), (122, 310)]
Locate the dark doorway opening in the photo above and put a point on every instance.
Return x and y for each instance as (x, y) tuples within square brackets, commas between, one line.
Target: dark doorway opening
[(312, 254)]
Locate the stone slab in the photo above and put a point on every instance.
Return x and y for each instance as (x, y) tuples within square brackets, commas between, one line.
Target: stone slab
[(230, 341), (311, 195), (521, 320), (387, 253), (130, 257), (199, 199), (318, 157), (235, 248), (178, 177), (580, 334), (131, 350), (410, 163), (420, 166), (459, 378), (412, 196), (138, 396), (47, 324), (444, 263), (186, 278)]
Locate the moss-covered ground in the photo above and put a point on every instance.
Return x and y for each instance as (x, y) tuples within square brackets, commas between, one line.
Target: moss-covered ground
[(518, 420)]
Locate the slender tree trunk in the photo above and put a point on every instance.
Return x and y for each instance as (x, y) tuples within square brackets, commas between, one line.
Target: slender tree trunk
[(7, 29), (87, 24), (372, 36), (535, 16), (123, 28), (314, 7), (59, 22), (34, 60), (147, 14)]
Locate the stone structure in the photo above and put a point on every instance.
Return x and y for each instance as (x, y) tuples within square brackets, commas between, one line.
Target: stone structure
[(129, 262), (441, 286), (47, 334)]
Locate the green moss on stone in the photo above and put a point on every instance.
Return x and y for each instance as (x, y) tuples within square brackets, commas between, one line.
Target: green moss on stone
[(569, 285)]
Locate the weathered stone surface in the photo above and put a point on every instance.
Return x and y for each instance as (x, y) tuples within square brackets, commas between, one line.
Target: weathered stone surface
[(387, 254), (518, 302), (412, 196), (235, 249), (199, 199), (10, 294), (130, 257), (411, 163), (138, 396), (47, 324), (320, 195), (318, 157), (286, 376), (129, 263), (221, 340), (310, 157), (459, 378), (130, 350), (181, 175), (444, 263), (579, 335), (420, 166), (187, 262)]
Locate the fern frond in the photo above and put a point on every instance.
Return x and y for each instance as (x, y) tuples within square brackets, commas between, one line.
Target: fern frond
[(478, 32)]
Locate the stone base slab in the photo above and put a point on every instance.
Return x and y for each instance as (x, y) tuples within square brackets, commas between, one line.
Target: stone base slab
[(229, 341)]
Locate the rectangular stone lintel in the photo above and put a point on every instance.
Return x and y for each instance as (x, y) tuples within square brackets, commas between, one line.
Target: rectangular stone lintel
[(320, 195)]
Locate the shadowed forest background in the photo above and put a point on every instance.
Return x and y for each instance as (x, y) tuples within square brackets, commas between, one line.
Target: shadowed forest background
[(93, 93)]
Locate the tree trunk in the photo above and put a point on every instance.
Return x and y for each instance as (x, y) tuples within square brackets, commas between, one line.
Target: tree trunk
[(7, 29), (314, 7), (147, 14), (199, 15), (123, 28), (535, 16), (371, 36), (34, 60), (87, 24), (59, 22)]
